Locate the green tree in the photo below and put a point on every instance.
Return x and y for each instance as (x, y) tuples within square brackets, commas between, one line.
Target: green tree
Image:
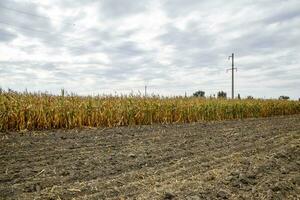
[(199, 93), (284, 97), (222, 94)]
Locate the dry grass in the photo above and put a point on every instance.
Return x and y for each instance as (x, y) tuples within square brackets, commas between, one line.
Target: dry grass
[(28, 111)]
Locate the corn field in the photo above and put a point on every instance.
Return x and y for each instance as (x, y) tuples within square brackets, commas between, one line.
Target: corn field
[(38, 111)]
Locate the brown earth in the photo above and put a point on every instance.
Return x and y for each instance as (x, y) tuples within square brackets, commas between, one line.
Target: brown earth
[(247, 159)]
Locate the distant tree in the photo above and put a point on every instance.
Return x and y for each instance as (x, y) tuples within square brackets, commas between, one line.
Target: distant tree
[(222, 94), (62, 91), (250, 97), (12, 91), (239, 96), (199, 93), (284, 97)]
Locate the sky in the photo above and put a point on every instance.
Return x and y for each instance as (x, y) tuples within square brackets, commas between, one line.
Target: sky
[(173, 46)]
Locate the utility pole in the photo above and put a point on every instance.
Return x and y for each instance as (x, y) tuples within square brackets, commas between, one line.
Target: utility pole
[(232, 74), (145, 90)]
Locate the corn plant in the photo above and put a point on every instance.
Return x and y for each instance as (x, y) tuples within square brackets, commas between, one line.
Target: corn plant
[(38, 111)]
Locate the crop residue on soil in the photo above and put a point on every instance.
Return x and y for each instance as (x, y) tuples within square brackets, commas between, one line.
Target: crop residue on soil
[(253, 158)]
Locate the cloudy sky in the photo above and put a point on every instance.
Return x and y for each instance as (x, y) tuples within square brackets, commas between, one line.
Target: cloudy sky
[(172, 46)]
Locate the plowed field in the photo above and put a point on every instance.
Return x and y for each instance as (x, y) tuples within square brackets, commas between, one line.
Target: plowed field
[(252, 158)]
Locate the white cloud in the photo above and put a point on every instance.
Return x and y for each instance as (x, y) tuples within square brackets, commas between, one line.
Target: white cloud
[(173, 46)]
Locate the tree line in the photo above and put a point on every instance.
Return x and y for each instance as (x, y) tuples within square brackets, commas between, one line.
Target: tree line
[(222, 94)]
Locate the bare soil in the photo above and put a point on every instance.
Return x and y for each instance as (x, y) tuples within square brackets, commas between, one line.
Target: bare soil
[(246, 159)]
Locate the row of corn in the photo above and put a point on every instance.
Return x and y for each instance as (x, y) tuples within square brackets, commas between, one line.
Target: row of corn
[(27, 111)]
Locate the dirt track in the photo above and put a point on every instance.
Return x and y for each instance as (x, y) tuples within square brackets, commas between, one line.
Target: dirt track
[(253, 158)]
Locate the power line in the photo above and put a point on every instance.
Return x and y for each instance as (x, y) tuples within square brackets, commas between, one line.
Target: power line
[(71, 40), (33, 15), (72, 47), (23, 12), (26, 28), (42, 31)]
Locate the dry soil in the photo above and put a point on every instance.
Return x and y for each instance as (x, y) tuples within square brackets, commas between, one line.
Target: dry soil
[(246, 159)]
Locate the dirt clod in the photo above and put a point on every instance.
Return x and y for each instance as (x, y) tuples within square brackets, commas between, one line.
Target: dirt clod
[(168, 196), (222, 194)]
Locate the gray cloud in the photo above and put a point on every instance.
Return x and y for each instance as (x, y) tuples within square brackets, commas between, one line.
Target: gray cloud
[(14, 13), (190, 38), (120, 8), (6, 36), (286, 13)]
